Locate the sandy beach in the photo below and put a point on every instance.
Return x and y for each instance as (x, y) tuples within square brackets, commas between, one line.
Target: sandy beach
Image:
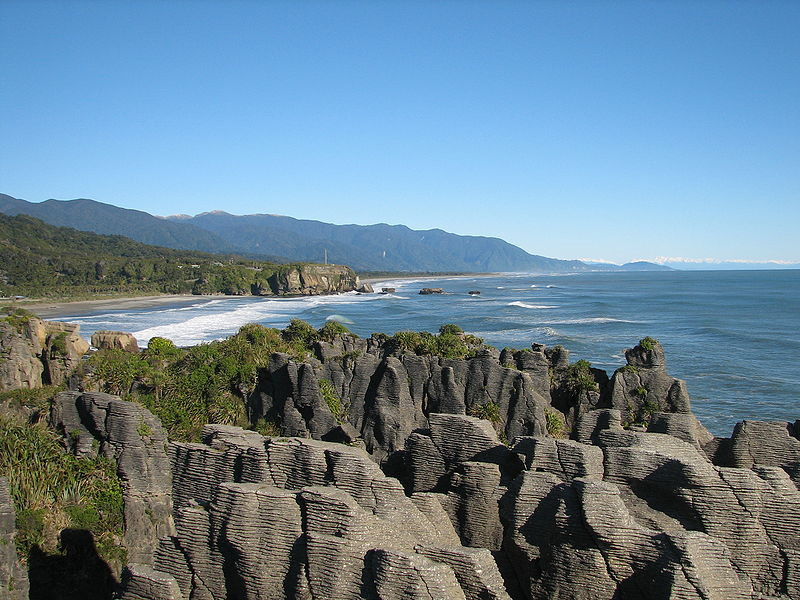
[(55, 310)]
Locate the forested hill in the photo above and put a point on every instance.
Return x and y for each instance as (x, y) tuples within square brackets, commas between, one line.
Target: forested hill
[(90, 215), (380, 247), (40, 260)]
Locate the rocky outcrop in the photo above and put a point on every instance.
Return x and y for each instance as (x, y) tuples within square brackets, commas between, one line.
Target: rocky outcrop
[(309, 280), (429, 291), (34, 352), (755, 443), (114, 340), (126, 432), (13, 578), (365, 288), (385, 395), (640, 503), (642, 389), (296, 518)]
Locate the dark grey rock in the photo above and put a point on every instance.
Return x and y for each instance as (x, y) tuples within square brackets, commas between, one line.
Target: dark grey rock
[(13, 578), (130, 435)]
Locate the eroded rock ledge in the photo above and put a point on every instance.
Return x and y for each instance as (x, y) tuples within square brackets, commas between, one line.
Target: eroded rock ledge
[(625, 509)]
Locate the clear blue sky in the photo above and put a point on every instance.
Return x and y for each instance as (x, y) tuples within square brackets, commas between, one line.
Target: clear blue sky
[(607, 130)]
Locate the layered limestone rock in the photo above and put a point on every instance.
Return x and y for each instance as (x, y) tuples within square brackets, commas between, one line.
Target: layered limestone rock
[(643, 388), (310, 280), (114, 340), (126, 432), (13, 578), (34, 352), (386, 395), (756, 443), (297, 518)]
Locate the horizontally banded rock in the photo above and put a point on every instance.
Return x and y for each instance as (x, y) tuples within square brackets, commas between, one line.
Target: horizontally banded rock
[(770, 443), (385, 395), (35, 352), (93, 422), (643, 388), (310, 280), (114, 340), (672, 486), (13, 578), (263, 517)]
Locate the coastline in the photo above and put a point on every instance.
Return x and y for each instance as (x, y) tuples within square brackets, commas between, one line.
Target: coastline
[(55, 310), (61, 309)]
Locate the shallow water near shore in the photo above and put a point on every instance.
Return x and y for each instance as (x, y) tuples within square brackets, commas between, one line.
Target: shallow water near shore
[(734, 336)]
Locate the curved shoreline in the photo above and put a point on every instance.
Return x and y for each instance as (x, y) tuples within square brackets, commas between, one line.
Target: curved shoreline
[(54, 310)]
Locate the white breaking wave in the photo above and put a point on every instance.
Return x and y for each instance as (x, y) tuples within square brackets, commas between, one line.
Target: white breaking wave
[(590, 320), (528, 305)]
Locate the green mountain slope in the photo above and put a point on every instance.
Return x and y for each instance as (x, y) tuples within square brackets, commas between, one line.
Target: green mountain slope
[(381, 247), (40, 260), (89, 215), (376, 247)]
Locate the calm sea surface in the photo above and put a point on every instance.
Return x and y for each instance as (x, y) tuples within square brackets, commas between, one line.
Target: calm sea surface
[(734, 336)]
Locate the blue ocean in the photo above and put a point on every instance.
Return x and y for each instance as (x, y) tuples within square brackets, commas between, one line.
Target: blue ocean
[(734, 336)]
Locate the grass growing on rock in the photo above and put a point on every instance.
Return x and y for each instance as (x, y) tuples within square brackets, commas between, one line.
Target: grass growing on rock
[(208, 383), (53, 490)]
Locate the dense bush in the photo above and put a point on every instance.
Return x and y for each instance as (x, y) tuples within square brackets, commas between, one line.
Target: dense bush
[(451, 342), (580, 378), (53, 490)]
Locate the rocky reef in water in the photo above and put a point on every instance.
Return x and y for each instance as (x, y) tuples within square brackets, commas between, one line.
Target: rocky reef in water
[(508, 474)]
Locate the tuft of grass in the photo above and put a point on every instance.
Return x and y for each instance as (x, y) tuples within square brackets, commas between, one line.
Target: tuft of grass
[(554, 424), (648, 343), (640, 391), (580, 378), (332, 400), (267, 428)]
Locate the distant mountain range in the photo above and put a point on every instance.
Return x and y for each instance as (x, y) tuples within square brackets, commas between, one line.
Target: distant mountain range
[(363, 247)]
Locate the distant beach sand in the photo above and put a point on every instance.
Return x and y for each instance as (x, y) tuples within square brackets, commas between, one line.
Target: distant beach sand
[(54, 310)]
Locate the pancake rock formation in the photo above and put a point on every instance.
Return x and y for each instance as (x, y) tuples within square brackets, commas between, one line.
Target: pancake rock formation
[(604, 491)]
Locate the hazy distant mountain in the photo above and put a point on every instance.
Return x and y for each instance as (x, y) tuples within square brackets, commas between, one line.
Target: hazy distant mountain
[(375, 247), (88, 215), (643, 265), (364, 247)]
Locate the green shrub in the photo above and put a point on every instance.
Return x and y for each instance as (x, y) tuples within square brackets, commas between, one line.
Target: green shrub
[(450, 328), (648, 343), (116, 370), (555, 423), (580, 378), (53, 490), (161, 348), (300, 332), (58, 344), (640, 391), (629, 369), (331, 330), (267, 428)]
